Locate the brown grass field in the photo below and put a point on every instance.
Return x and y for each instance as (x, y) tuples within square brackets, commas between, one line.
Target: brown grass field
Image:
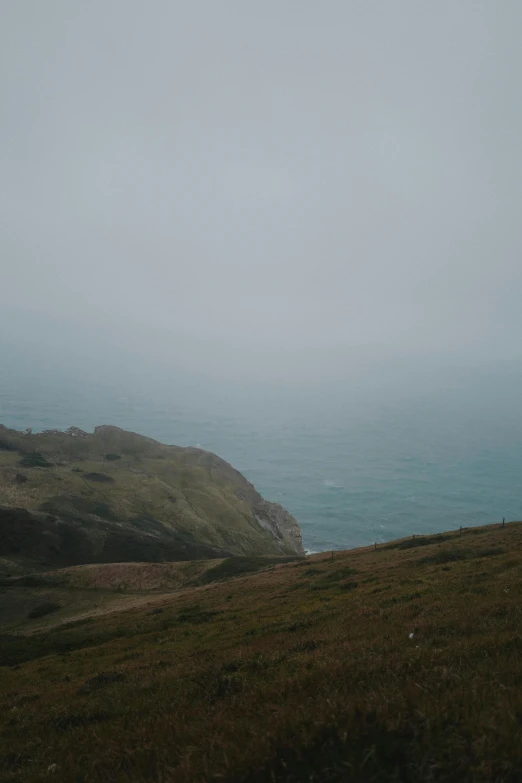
[(401, 664)]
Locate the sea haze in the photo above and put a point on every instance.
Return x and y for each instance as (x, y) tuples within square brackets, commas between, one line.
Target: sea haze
[(287, 232), (355, 464)]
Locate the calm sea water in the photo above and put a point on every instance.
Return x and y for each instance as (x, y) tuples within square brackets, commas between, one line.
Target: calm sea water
[(352, 469)]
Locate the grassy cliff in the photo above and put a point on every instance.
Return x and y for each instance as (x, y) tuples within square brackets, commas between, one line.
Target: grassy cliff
[(396, 664), (72, 497)]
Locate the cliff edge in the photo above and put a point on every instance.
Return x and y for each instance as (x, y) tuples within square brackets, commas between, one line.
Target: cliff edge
[(115, 496)]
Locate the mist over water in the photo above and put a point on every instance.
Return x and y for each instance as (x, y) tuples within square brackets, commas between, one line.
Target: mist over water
[(287, 232), (354, 462)]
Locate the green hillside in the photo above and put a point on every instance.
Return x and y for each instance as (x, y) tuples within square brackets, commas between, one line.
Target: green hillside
[(74, 497)]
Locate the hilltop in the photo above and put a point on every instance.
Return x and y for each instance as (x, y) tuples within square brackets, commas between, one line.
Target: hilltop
[(68, 498), (397, 664)]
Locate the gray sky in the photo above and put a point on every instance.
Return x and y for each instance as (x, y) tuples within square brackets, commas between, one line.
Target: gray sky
[(270, 184)]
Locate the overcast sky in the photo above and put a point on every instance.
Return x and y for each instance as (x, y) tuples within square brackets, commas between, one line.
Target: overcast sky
[(262, 183)]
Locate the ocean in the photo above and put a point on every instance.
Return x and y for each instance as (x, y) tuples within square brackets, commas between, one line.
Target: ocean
[(352, 467)]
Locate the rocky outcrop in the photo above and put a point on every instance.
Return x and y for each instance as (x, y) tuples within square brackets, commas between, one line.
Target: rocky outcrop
[(283, 526), (76, 432)]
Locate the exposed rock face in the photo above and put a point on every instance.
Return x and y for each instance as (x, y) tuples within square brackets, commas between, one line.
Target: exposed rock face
[(75, 432), (282, 525)]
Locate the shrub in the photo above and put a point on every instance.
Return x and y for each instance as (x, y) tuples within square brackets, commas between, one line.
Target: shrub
[(446, 556), (42, 609), (35, 460), (491, 552), (239, 566), (101, 680), (195, 614), (413, 543)]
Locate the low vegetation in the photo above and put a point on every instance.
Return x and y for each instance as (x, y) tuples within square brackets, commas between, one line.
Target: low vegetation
[(396, 664), (42, 609), (35, 460)]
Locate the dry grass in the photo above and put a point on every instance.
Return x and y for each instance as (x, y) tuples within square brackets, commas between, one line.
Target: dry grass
[(303, 672), (133, 576)]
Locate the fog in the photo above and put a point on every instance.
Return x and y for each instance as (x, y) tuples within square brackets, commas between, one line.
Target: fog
[(265, 191)]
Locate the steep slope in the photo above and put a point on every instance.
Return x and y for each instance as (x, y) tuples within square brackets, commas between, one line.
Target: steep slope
[(400, 664), (72, 497)]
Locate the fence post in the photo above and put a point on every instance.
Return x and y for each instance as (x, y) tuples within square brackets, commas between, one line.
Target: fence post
[(376, 545), (503, 521)]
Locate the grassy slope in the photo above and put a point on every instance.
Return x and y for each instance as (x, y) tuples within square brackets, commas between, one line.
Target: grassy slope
[(87, 591), (154, 503), (304, 672)]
